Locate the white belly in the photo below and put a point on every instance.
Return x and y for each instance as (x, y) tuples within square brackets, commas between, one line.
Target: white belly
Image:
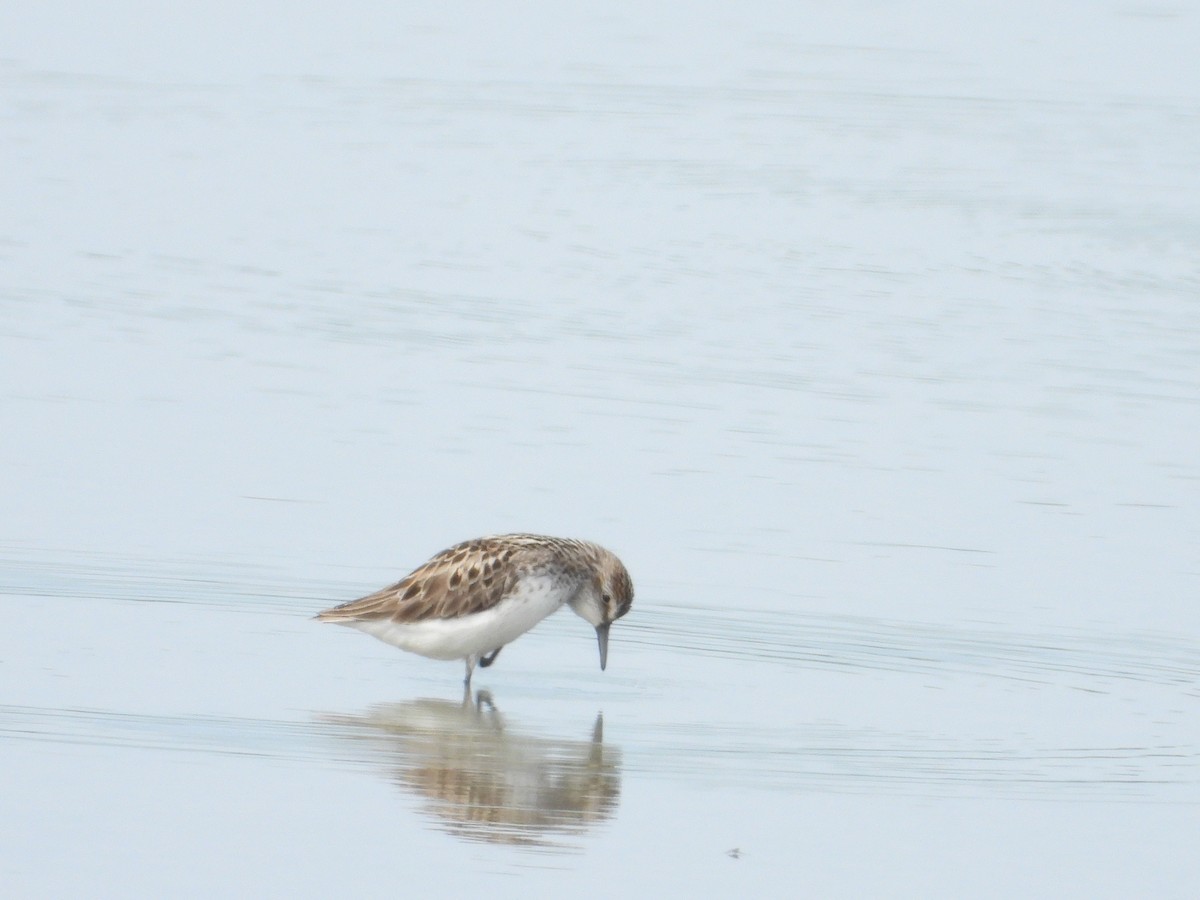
[(478, 633)]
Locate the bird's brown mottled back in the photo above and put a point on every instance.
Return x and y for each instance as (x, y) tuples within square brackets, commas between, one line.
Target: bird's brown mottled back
[(466, 578)]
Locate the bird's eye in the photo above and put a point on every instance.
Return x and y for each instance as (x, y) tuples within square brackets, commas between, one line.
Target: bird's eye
[(607, 598)]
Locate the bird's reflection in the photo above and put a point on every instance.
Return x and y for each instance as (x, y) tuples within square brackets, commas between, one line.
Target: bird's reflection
[(482, 780)]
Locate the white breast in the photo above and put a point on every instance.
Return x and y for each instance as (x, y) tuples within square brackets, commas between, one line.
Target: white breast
[(534, 599)]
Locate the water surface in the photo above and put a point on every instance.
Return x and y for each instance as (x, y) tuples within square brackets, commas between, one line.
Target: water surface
[(867, 338)]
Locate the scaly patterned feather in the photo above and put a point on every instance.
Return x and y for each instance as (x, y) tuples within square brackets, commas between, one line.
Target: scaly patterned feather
[(468, 577)]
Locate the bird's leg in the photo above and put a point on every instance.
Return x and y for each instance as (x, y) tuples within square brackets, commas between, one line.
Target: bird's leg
[(470, 668), (489, 658)]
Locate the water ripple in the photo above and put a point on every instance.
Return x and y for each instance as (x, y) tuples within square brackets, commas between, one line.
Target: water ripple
[(811, 640)]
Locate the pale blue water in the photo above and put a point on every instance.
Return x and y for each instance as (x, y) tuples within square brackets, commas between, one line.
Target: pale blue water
[(867, 337)]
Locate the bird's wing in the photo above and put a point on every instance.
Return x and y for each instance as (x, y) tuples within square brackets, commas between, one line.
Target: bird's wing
[(464, 579)]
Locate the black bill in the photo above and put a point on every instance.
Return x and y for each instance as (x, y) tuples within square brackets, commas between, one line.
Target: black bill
[(602, 637)]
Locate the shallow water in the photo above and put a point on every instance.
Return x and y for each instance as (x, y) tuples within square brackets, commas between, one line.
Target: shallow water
[(867, 338)]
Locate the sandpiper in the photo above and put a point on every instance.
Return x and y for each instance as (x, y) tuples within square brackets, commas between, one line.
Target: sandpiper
[(467, 602)]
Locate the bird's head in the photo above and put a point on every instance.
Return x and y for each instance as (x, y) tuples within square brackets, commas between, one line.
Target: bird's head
[(604, 598)]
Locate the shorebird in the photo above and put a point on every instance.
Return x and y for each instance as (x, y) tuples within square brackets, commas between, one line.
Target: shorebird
[(467, 602)]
